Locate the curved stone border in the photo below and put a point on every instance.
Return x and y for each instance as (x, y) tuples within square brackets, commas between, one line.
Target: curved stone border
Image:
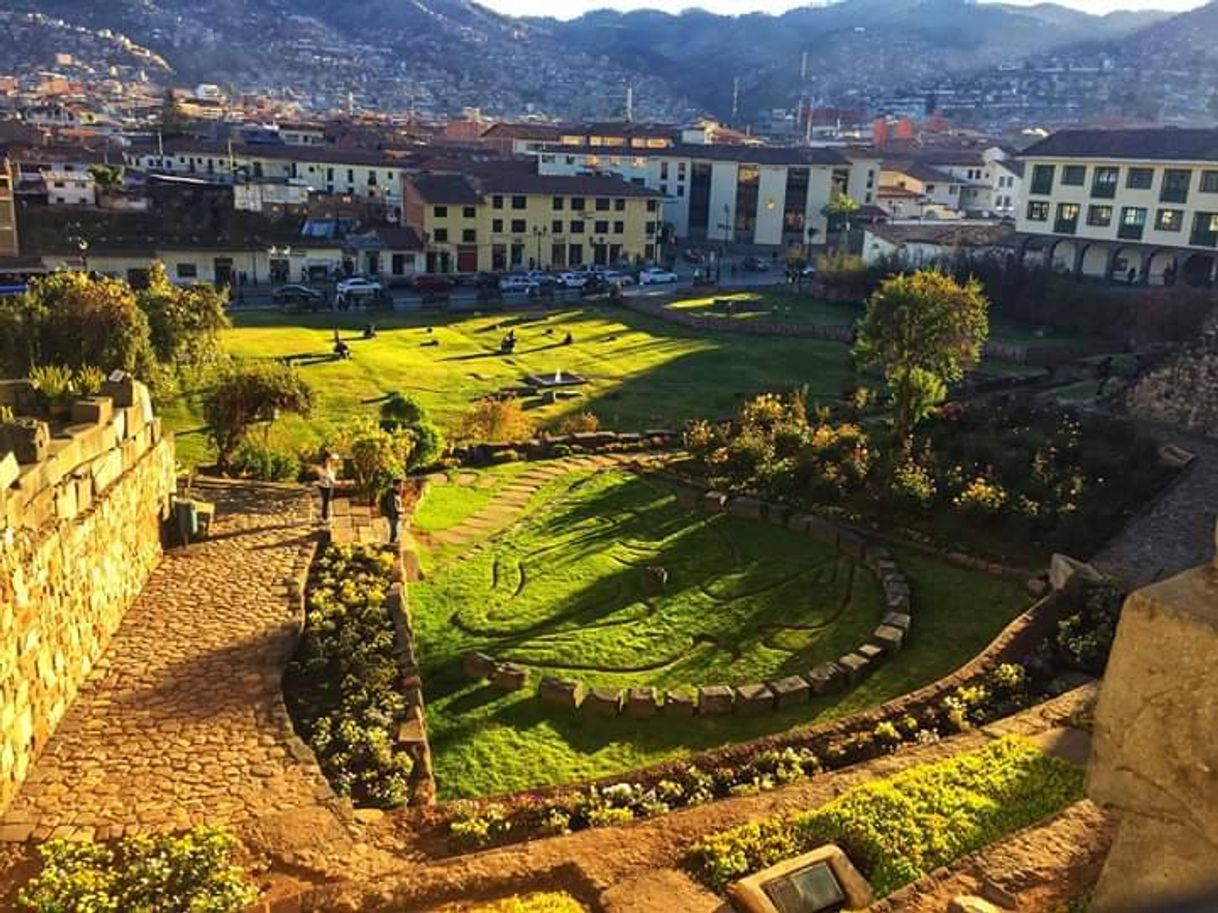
[(750, 698), (581, 443)]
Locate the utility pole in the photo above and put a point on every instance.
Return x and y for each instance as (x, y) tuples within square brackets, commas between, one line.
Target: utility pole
[(629, 104), (735, 96)]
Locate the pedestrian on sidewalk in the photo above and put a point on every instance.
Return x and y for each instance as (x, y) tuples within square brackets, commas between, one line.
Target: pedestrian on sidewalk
[(392, 507), (327, 477)]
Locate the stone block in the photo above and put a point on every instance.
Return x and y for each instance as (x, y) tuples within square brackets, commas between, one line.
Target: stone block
[(775, 513), (715, 699), (134, 421), (28, 438), (19, 395), (826, 678), (478, 665), (106, 469), (888, 638), (84, 492), (92, 410), (66, 452), (509, 677), (898, 620), (561, 692), (790, 691), (823, 530), (1065, 571), (968, 903), (91, 440), (870, 652), (629, 438), (119, 424), (678, 704), (855, 665), (749, 508), (897, 603), (754, 698), (641, 703), (875, 554), (9, 470), (687, 497), (120, 387), (603, 701), (714, 501), (65, 501)]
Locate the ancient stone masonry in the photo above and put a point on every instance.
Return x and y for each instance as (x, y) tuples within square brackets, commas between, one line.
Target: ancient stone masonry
[(1183, 391), (81, 505)]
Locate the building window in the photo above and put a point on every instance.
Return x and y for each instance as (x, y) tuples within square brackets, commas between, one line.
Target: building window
[(371, 178), (1067, 218), (1074, 175), (651, 205), (556, 227), (1205, 229), (1038, 211), (1133, 222), (440, 235), (469, 236), (619, 228), (663, 171), (497, 226), (1209, 182), (577, 203), (187, 271), (577, 228), (440, 212), (1042, 179), (930, 188), (1099, 215), (602, 204), (1175, 185), (520, 202), (1104, 182), (518, 227), (558, 204), (601, 227), (1140, 178), (681, 192), (619, 205), (680, 171), (1169, 219), (496, 202), (469, 212), (649, 228)]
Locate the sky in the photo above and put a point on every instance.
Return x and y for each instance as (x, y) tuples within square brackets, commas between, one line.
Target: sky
[(568, 9)]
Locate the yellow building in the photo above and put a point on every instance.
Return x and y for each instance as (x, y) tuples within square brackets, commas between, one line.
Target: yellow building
[(8, 212), (509, 218)]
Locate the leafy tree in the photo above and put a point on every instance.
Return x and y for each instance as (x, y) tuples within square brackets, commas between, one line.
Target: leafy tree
[(376, 455), (402, 409), (173, 121), (839, 210), (493, 419), (107, 177), (246, 393), (923, 331), (184, 323)]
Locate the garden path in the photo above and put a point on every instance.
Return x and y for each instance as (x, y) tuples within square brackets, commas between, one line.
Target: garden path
[(1177, 531), (182, 721)]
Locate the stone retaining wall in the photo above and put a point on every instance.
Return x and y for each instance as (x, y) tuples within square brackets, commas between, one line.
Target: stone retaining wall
[(80, 531), (1184, 391), (749, 698), (542, 448), (412, 734)]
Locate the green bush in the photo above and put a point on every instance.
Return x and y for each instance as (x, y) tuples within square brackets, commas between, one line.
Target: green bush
[(898, 829), (402, 409), (346, 693), (266, 464), (190, 872), (243, 394)]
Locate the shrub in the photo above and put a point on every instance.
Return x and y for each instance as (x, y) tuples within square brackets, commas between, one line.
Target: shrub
[(429, 444), (579, 423), (376, 456), (190, 872), (54, 382), (402, 409), (494, 419), (245, 393), (505, 456), (349, 702), (266, 464), (184, 323), (897, 830), (532, 903)]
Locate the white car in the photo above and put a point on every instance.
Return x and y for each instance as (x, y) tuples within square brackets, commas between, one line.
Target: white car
[(656, 276), (519, 283), (613, 276), (357, 286), (573, 280)]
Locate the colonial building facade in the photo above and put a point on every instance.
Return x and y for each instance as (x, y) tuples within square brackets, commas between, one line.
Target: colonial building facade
[(1137, 205)]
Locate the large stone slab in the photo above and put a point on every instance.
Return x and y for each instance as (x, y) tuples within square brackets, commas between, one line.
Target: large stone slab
[(790, 691), (855, 665), (509, 677), (754, 698), (561, 692), (742, 506), (678, 704), (641, 703), (478, 665), (714, 501), (92, 410), (715, 699), (603, 701), (888, 638), (898, 620), (870, 652), (826, 678), (1065, 571)]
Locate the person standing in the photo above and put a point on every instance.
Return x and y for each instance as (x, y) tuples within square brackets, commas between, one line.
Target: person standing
[(392, 507), (327, 478)]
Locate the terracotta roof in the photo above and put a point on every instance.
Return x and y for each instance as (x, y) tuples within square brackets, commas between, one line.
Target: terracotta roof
[(1162, 143), (521, 131), (509, 181)]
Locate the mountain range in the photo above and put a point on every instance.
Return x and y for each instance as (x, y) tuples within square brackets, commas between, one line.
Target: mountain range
[(450, 53)]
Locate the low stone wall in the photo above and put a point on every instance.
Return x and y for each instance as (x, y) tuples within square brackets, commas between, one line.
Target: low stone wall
[(549, 447), (752, 697), (1183, 391), (80, 531), (412, 734), (753, 327)]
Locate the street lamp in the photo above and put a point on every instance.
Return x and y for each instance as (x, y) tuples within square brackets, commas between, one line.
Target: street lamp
[(538, 234)]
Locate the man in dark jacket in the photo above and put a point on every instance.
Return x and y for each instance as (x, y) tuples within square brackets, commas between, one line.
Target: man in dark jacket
[(392, 507)]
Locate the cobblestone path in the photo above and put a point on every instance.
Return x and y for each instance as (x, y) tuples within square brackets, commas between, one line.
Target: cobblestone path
[(182, 721)]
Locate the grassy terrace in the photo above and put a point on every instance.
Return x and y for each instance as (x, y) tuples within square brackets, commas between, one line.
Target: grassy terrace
[(642, 372), (558, 588)]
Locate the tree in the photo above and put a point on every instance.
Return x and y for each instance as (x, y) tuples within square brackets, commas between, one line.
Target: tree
[(184, 323), (173, 121), (246, 393), (493, 419), (107, 177), (923, 331), (839, 210), (375, 454)]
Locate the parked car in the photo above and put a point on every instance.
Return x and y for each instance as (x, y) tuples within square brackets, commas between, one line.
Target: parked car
[(299, 295), (519, 283), (755, 264), (653, 275), (617, 278), (430, 282), (573, 280), (357, 286), (484, 280)]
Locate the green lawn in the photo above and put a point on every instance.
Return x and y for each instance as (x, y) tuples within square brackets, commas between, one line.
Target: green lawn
[(754, 305), (561, 592), (642, 372)]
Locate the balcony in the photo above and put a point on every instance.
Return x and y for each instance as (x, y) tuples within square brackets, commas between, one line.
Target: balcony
[(1128, 232), (1205, 230)]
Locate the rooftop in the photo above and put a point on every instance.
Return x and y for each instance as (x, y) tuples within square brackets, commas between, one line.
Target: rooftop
[(948, 234), (725, 152), (1162, 143)]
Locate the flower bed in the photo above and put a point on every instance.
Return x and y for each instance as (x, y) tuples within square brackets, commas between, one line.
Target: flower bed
[(344, 682), (897, 830)]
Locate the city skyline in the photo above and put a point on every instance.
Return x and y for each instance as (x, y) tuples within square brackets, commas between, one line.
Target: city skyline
[(569, 9)]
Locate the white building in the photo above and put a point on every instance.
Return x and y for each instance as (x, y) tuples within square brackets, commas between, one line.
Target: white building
[(70, 188)]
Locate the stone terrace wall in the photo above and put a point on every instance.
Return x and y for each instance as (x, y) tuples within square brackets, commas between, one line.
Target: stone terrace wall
[(1184, 391), (79, 535)]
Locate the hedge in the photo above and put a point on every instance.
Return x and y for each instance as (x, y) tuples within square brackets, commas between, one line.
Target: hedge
[(898, 829)]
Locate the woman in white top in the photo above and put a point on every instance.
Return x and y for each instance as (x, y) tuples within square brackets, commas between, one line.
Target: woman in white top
[(327, 476)]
